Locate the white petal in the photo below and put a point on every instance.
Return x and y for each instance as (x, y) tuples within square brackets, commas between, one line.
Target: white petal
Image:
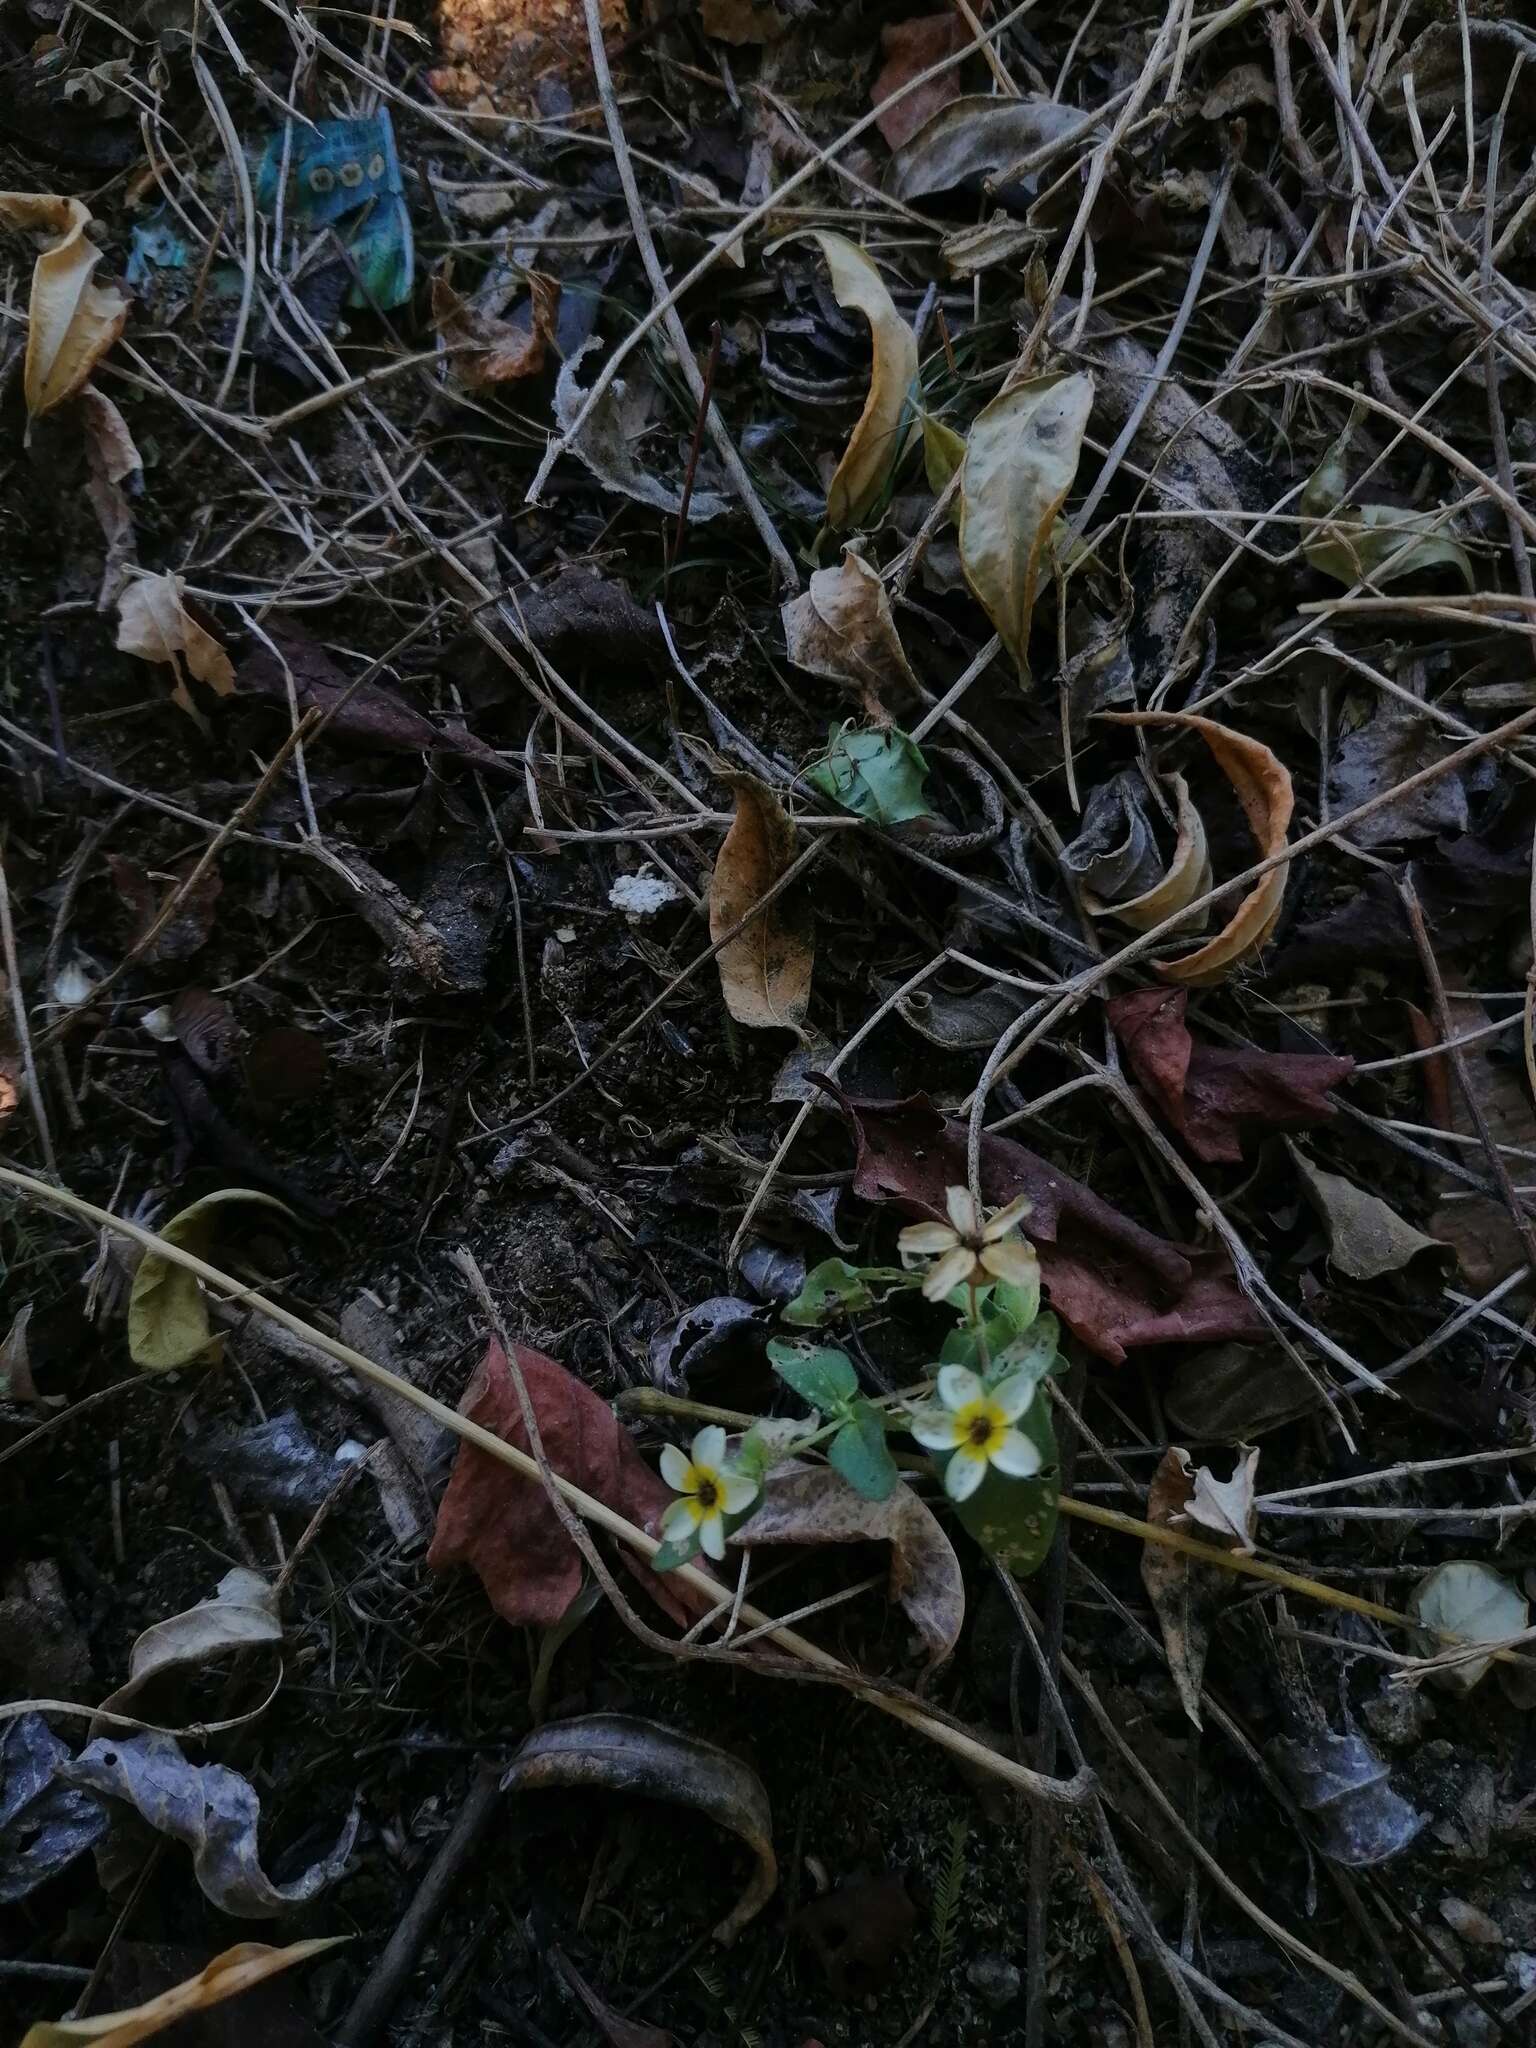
[(675, 1469), (963, 1474), (1013, 1261), (925, 1240), (709, 1446), (934, 1428), (1013, 1396), (677, 1523), (712, 1536), (1008, 1219), (952, 1271), (962, 1211), (958, 1386), (737, 1492), (1016, 1455)]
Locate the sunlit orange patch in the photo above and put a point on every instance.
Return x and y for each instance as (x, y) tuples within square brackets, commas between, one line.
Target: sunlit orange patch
[(494, 52)]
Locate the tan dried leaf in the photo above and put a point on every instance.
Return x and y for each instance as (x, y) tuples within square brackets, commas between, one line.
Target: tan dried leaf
[(842, 628), (1263, 787), (1188, 874), (816, 1505), (236, 1970), (487, 349), (741, 22), (1180, 1590), (154, 623), (765, 971), (71, 321), (1366, 1236), (875, 442), (1021, 458), (242, 1615)]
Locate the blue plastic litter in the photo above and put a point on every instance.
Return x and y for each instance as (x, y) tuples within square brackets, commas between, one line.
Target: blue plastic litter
[(348, 172)]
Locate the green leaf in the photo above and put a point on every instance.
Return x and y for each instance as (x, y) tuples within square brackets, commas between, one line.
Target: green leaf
[(168, 1322), (671, 1555), (860, 1453), (1357, 543), (1014, 1520), (876, 775), (834, 1288), (818, 1373), (1020, 1304), (770, 1440), (1008, 1350)]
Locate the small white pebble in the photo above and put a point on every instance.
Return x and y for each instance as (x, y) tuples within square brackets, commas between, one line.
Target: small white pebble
[(643, 895), (349, 1452), (566, 934), (158, 1023)]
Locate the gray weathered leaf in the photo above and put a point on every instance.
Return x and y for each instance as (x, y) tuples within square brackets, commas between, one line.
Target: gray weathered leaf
[(622, 1753), (241, 1616), (1471, 1603), (1366, 1236), (45, 1822), (213, 1811), (974, 138), (609, 443)]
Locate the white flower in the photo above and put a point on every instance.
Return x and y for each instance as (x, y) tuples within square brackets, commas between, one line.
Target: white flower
[(977, 1426), (710, 1491), (971, 1250)]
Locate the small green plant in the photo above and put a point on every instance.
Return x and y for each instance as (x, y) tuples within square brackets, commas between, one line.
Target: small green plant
[(984, 1424)]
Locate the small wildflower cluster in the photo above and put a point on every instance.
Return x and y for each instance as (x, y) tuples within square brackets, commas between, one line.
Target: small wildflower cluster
[(983, 1388)]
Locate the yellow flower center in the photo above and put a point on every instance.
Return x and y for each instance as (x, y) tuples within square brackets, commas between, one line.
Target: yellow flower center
[(979, 1428), (707, 1493)]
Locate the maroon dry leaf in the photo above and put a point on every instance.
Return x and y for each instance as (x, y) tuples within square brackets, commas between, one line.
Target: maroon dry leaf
[(502, 1525), (1115, 1285), (1211, 1093), (370, 714), (911, 48), (143, 899)]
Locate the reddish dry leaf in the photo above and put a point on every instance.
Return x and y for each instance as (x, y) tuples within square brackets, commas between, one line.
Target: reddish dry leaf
[(487, 349), (1115, 1285), (617, 2031), (911, 48), (502, 1525), (1210, 1093), (371, 713)]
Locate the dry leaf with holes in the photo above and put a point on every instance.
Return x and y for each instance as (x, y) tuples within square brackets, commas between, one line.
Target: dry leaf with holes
[(842, 628), (765, 971), (153, 622), (1183, 1592), (1021, 458), (876, 440), (816, 1505), (71, 320), (1263, 787), (236, 1970), (487, 349)]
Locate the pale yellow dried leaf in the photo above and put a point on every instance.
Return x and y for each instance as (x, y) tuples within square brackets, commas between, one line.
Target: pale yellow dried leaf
[(865, 470), (236, 1970), (1021, 458), (71, 321), (765, 971), (1188, 874), (154, 623), (168, 1324), (1263, 787)]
